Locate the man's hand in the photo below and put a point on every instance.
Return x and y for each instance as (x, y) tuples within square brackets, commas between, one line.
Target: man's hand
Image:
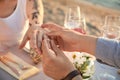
[(68, 40), (55, 63)]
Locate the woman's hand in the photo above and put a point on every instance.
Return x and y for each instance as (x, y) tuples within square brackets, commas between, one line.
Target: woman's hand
[(35, 12), (34, 35), (67, 40), (55, 63)]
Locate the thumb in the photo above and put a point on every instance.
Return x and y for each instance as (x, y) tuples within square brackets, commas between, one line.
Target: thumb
[(55, 48)]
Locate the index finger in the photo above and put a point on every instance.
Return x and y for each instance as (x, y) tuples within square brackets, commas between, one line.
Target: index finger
[(52, 26)]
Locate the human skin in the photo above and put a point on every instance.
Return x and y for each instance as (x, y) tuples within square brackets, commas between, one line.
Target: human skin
[(55, 63), (67, 40), (34, 11), (35, 15), (70, 40)]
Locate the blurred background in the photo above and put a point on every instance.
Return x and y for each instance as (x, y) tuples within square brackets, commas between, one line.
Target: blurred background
[(93, 10)]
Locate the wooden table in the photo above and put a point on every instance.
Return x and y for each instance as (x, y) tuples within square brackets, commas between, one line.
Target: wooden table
[(23, 55), (99, 68), (105, 70)]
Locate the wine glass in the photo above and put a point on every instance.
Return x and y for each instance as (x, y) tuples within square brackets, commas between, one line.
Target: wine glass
[(111, 28), (74, 20)]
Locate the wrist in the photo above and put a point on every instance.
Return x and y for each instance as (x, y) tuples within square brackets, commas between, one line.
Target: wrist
[(78, 77), (73, 75), (87, 43)]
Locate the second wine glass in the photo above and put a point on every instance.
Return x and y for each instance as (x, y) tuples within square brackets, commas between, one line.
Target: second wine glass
[(111, 28)]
